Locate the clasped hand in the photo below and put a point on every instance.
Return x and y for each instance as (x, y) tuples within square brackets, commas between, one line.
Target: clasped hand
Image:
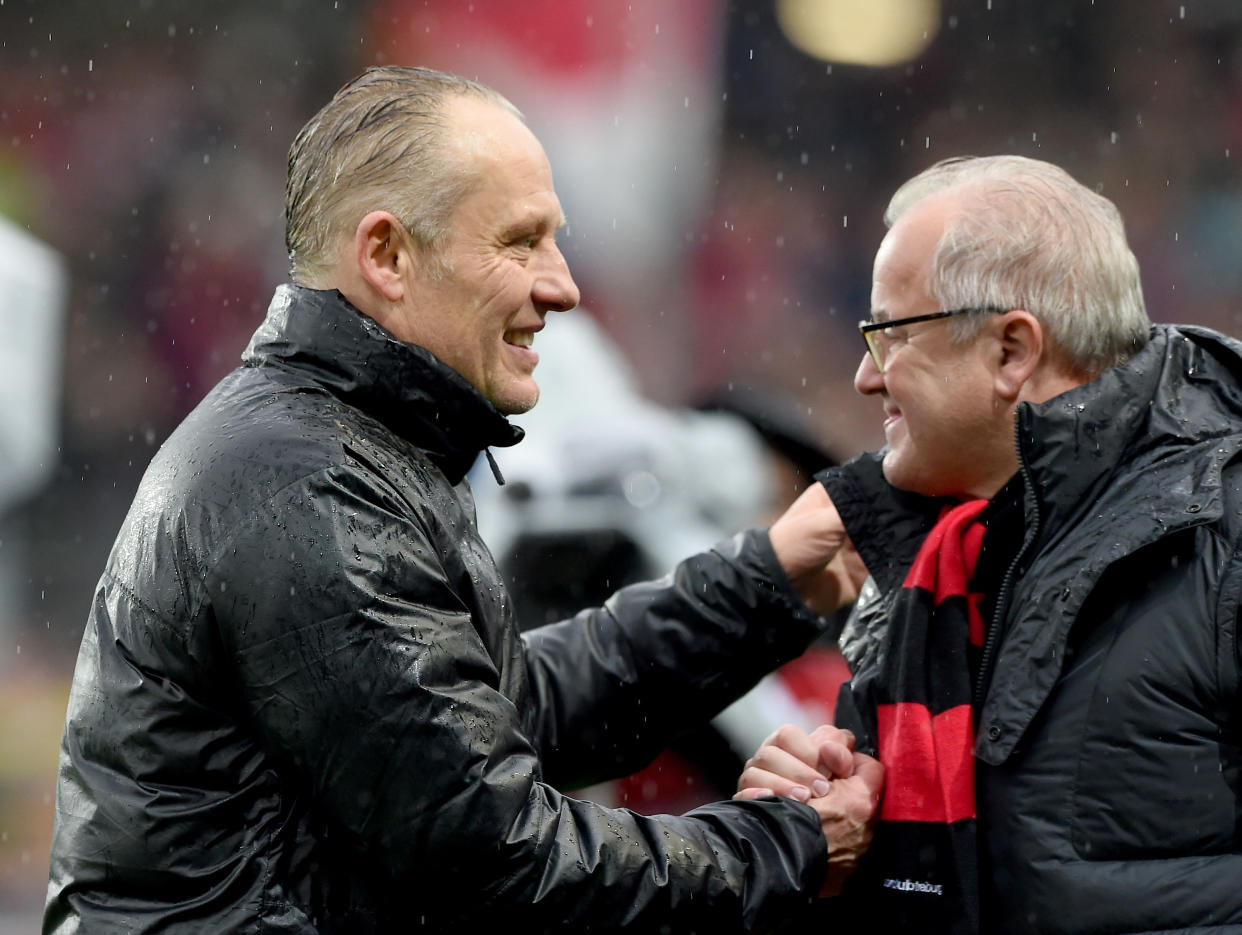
[(822, 770)]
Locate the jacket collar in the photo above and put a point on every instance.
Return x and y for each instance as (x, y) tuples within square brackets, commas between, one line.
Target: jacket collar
[(1176, 404), (1111, 467), (321, 335)]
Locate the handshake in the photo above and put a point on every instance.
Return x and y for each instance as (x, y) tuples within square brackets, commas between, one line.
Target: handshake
[(822, 770)]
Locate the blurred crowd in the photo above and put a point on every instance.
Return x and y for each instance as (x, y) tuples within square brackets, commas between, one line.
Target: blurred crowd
[(725, 194)]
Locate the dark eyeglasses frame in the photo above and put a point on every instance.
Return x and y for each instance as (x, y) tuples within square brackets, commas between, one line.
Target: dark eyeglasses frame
[(868, 329)]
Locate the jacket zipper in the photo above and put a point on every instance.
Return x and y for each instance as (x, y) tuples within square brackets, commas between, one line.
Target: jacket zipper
[(1002, 598)]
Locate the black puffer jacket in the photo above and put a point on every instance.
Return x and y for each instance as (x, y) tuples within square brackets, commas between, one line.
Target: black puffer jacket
[(302, 705), (1108, 751)]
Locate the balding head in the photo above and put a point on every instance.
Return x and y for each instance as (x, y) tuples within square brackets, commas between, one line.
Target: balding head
[(379, 144)]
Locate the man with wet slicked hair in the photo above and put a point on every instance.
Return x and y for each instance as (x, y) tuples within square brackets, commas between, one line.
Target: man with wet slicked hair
[(302, 703)]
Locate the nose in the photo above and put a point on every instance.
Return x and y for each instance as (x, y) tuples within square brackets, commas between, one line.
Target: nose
[(554, 289), (867, 379)]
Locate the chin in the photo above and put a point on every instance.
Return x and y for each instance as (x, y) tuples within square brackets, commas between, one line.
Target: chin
[(894, 472), (911, 480), (516, 403)]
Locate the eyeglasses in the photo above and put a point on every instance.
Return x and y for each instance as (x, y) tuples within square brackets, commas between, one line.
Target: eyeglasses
[(872, 331)]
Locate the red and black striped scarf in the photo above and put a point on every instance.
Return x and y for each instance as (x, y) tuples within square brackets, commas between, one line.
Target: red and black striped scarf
[(922, 869)]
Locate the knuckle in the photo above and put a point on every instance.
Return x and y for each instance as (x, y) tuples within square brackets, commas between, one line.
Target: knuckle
[(826, 732), (785, 733)]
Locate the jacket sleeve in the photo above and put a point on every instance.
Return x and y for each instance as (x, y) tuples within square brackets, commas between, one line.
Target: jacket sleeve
[(615, 683), (364, 672)]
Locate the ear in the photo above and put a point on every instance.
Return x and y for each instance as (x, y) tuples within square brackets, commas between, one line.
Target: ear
[(382, 252), (1020, 352)]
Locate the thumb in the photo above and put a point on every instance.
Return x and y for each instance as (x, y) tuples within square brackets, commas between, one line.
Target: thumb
[(870, 771)]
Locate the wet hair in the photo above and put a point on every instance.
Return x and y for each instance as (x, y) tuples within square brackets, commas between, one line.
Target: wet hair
[(1029, 236), (379, 144)]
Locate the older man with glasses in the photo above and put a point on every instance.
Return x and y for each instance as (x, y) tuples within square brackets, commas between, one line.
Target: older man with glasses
[(1045, 656)]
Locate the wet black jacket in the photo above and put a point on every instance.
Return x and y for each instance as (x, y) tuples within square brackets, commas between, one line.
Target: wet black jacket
[(1107, 749), (302, 704)]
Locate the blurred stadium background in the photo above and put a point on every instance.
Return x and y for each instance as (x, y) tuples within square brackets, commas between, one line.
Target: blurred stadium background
[(724, 165)]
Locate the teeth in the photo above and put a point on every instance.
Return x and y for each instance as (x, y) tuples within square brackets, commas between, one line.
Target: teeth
[(521, 338)]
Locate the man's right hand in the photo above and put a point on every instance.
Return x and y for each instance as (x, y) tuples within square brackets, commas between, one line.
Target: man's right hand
[(846, 789)]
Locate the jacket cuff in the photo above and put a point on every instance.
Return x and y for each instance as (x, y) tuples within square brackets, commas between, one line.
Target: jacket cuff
[(755, 556)]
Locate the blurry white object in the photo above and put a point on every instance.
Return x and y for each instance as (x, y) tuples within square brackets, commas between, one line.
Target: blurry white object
[(598, 457), (34, 286)]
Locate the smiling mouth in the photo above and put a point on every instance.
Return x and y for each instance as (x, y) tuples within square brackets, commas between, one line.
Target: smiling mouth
[(520, 338)]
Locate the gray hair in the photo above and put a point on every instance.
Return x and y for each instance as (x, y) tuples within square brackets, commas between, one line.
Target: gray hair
[(1032, 237), (379, 144)]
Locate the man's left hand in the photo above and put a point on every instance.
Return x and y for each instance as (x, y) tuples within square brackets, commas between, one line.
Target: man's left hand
[(811, 545)]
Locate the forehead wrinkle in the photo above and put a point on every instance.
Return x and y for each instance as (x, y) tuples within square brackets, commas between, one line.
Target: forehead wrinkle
[(533, 215)]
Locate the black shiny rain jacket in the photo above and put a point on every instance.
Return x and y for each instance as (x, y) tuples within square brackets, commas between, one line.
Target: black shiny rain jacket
[(1108, 745), (302, 703)]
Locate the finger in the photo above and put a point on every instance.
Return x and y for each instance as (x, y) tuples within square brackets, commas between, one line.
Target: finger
[(777, 784), (804, 770), (794, 740), (836, 760), (847, 572), (830, 733), (870, 771), (756, 792), (852, 563)]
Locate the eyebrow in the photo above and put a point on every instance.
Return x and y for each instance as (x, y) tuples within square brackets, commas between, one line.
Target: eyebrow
[(530, 222)]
